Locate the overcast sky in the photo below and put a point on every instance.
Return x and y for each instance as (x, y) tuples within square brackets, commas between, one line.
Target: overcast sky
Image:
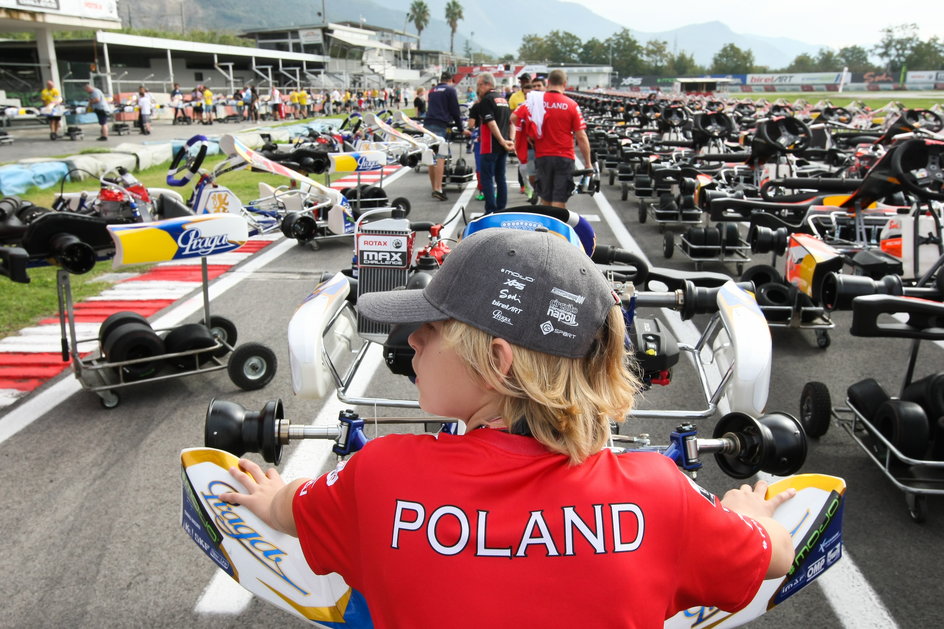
[(825, 23)]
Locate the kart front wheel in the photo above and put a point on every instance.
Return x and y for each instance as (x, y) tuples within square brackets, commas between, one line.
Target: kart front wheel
[(252, 366), (815, 409)]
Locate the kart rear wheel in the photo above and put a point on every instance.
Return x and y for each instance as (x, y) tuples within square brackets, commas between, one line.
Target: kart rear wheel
[(624, 191), (774, 294), (132, 341), (761, 274), (815, 409), (187, 338), (402, 203), (612, 176), (643, 212), (117, 319), (224, 331), (252, 366), (668, 245), (866, 396), (905, 425)]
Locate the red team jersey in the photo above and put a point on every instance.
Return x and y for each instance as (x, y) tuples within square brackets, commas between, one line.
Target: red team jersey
[(481, 530), (561, 118)]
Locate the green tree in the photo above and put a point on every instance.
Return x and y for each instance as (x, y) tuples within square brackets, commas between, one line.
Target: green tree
[(656, 56), (453, 16), (803, 62), (732, 60), (856, 58), (626, 53), (897, 44), (533, 48), (563, 47), (926, 55), (828, 60), (683, 63), (419, 15), (594, 51)]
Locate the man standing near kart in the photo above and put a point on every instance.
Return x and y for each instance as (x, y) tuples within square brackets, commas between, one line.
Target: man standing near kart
[(491, 118), (97, 103), (145, 110), (442, 111), (554, 122)]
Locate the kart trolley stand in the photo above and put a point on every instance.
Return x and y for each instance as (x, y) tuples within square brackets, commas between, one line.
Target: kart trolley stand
[(132, 353), (903, 436), (710, 244)]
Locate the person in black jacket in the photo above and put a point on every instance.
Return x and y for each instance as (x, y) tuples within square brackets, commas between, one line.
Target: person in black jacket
[(442, 112), (419, 103)]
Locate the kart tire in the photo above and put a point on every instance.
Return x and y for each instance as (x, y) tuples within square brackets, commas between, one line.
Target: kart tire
[(187, 338), (668, 245), (224, 331), (402, 203), (761, 274), (624, 191), (301, 227), (937, 447), (252, 366), (712, 241), (905, 425), (686, 202), (866, 396), (730, 236), (612, 179), (687, 186), (815, 409), (118, 319), (695, 236), (775, 294), (928, 392), (643, 212), (130, 341)]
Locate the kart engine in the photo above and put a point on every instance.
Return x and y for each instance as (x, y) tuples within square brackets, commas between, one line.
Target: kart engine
[(383, 256)]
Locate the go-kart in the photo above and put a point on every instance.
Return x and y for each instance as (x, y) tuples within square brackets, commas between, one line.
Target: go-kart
[(306, 211)]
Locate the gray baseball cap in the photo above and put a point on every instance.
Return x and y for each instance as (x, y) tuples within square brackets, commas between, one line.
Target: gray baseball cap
[(533, 289)]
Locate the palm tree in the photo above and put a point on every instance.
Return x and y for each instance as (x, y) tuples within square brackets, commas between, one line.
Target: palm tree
[(419, 15), (453, 15)]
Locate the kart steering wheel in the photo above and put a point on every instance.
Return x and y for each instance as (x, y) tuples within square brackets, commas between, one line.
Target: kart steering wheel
[(923, 119), (836, 114), (917, 164), (745, 109), (714, 124), (674, 115), (357, 125), (581, 226), (186, 171), (786, 132)]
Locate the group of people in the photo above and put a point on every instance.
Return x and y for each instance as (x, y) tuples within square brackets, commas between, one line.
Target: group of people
[(537, 122)]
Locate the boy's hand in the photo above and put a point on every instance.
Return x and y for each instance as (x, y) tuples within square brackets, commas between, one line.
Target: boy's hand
[(261, 488), (750, 501)]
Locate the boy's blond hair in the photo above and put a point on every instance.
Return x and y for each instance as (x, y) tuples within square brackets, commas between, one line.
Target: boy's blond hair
[(565, 403)]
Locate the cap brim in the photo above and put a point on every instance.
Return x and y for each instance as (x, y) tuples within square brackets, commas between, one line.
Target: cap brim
[(399, 306)]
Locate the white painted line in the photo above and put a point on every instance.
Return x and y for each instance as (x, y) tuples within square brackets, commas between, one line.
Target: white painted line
[(853, 600)]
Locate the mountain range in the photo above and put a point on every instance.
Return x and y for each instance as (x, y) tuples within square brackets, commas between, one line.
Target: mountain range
[(491, 26)]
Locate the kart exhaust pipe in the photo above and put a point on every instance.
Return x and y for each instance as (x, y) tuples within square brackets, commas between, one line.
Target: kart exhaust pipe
[(231, 427), (774, 443), (72, 254)]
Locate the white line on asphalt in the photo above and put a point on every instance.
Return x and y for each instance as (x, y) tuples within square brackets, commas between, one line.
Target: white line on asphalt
[(222, 594), (847, 591)]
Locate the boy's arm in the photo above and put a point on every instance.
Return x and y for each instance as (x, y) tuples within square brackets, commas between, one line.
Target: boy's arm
[(268, 496)]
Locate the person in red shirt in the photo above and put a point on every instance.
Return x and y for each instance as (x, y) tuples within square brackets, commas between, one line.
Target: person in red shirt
[(555, 122), (527, 519)]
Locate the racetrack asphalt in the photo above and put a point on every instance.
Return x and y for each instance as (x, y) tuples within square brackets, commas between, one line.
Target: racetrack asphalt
[(100, 489)]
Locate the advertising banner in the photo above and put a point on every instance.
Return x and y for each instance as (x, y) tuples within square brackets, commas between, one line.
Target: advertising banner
[(92, 9)]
